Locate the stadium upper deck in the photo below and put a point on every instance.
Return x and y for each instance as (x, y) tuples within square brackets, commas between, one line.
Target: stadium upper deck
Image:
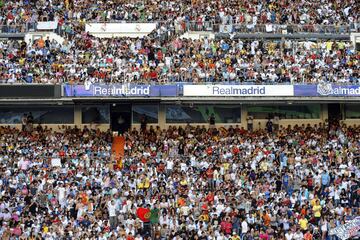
[(219, 11), (85, 59)]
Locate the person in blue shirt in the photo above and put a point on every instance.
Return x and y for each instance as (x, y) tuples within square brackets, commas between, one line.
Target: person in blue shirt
[(225, 46), (286, 181), (283, 160), (325, 180), (85, 222)]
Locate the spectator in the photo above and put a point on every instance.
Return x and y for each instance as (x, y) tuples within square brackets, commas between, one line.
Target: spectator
[(143, 122), (250, 123), (269, 126), (112, 214), (276, 122), (244, 228), (212, 120), (24, 121)]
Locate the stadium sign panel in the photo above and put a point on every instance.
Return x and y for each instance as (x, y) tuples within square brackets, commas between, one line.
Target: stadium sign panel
[(187, 90), (238, 90), (327, 90), (120, 90), (30, 91)]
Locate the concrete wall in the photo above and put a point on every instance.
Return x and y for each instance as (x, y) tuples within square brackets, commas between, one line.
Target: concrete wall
[(261, 123), (351, 122), (258, 123), (355, 38)]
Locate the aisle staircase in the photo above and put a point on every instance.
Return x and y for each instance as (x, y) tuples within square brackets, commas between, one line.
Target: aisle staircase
[(117, 149)]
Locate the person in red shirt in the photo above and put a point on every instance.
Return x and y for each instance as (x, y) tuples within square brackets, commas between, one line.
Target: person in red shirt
[(241, 18), (210, 177), (209, 151), (146, 76), (308, 236), (226, 226), (62, 153), (236, 150), (130, 237), (160, 55), (264, 236), (161, 167), (153, 75), (210, 198), (310, 183)]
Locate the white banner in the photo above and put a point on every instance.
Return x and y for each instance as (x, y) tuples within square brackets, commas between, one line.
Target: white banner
[(226, 28), (238, 90), (56, 162), (120, 27), (348, 230), (269, 28), (47, 25)]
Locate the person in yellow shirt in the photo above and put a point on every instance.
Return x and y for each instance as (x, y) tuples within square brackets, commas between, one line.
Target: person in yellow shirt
[(329, 45), (228, 61), (317, 210), (146, 183), (22, 61), (313, 201), (264, 166), (82, 22), (226, 166), (235, 236), (303, 223), (140, 184), (204, 217)]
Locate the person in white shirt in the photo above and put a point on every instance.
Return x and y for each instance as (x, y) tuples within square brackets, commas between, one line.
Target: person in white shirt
[(61, 195), (112, 214), (298, 236), (244, 228), (169, 166), (289, 236)]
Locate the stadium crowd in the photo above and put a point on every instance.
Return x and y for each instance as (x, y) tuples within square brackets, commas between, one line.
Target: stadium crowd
[(86, 59), (325, 12), (198, 183)]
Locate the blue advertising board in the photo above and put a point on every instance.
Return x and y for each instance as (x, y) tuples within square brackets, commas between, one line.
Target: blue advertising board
[(210, 90), (120, 90)]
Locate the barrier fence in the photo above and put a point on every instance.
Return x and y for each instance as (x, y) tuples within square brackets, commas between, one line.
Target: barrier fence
[(209, 26)]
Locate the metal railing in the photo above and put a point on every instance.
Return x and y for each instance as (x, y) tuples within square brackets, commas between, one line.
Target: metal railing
[(14, 28), (221, 28), (271, 28), (256, 28), (181, 79), (19, 28)]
